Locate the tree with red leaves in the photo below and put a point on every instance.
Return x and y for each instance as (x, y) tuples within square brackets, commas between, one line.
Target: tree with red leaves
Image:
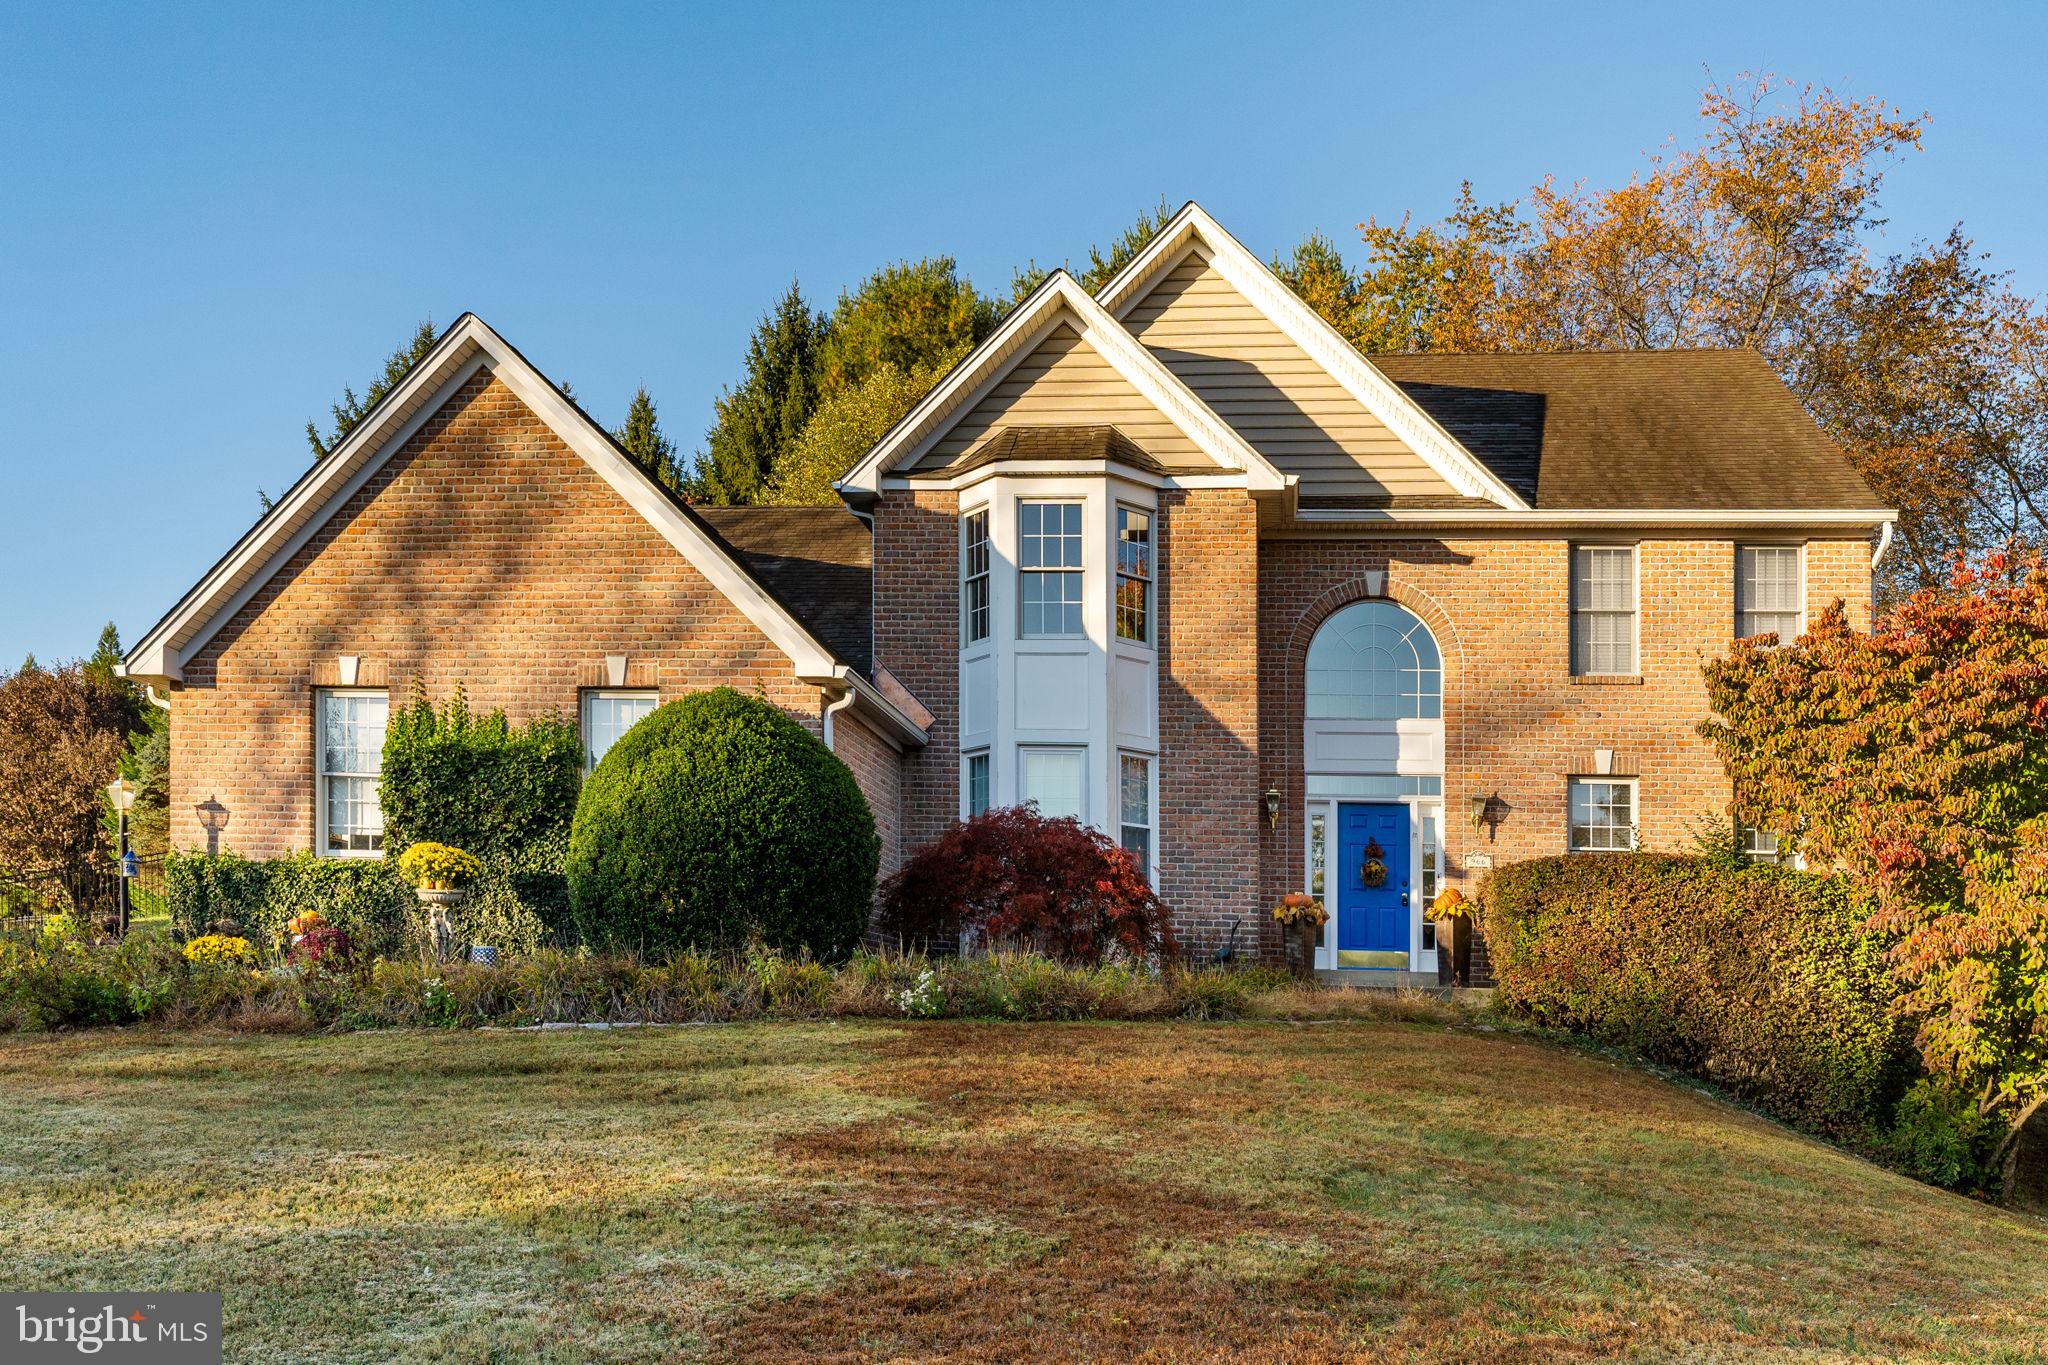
[(1012, 876), (1915, 758)]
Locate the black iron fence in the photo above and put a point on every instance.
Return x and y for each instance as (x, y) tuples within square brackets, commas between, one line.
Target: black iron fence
[(90, 890)]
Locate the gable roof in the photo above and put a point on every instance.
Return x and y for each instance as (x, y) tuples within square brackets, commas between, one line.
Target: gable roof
[(467, 346), (818, 560), (1301, 324), (1698, 429), (1058, 300)]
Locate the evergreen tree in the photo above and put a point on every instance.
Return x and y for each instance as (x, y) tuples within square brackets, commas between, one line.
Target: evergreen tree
[(1316, 271), (765, 414), (351, 410), (905, 316), (650, 447), (1102, 265)]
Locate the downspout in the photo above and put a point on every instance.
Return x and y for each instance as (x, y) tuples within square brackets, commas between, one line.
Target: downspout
[(844, 700), (1884, 542), (149, 690)]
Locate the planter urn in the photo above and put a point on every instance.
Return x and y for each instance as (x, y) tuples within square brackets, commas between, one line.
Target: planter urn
[(439, 901)]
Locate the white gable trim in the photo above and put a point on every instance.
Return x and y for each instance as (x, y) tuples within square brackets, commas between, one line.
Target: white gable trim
[(1307, 329), (464, 349), (1059, 299)]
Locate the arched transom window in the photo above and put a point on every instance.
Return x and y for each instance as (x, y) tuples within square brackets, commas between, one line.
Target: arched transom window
[(1374, 661)]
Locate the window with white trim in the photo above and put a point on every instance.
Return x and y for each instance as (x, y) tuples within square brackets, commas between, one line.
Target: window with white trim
[(607, 714), (974, 557), (1049, 569), (1133, 575), (1134, 798), (1761, 845), (1603, 815), (350, 747), (1054, 780), (1770, 592), (974, 778), (1603, 609)]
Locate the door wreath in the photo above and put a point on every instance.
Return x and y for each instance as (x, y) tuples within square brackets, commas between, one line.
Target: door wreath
[(1372, 873)]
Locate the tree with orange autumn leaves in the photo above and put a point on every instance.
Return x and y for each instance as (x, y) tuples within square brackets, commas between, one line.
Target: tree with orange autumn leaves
[(1915, 759), (1928, 366)]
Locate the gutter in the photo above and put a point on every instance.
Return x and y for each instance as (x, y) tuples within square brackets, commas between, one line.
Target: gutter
[(848, 688)]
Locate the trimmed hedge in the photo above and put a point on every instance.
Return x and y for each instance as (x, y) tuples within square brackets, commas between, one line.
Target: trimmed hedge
[(258, 896), (718, 820), (513, 911), (1759, 979)]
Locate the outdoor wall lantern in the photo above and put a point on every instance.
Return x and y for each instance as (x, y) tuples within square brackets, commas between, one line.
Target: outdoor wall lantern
[(1481, 806), (1272, 807)]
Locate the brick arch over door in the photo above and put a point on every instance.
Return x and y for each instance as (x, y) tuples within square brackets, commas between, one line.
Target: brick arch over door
[(1381, 585)]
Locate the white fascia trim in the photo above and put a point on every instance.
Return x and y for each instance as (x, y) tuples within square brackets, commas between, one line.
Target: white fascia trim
[(1059, 297), (1052, 469), (1307, 329), (1677, 516), (351, 464), (847, 687)]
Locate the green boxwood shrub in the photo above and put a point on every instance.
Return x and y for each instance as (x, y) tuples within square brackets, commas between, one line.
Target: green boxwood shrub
[(1759, 979), (718, 820)]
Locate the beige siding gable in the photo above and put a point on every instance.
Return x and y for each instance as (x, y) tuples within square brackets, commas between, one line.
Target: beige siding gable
[(1284, 404), (1064, 381)]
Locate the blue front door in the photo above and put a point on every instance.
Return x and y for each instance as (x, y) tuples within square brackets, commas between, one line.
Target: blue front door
[(1373, 914)]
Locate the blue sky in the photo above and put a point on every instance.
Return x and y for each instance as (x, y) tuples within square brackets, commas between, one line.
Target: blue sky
[(213, 218)]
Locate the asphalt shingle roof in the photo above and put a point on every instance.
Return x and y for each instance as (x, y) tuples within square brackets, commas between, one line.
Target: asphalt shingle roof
[(818, 560), (1635, 429)]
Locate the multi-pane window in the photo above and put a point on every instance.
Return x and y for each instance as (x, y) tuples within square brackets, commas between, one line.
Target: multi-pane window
[(1603, 815), (1760, 845), (607, 716), (975, 780), (1052, 780), (1374, 661), (1769, 592), (1133, 575), (1603, 609), (1134, 797), (351, 750), (1049, 569), (974, 576)]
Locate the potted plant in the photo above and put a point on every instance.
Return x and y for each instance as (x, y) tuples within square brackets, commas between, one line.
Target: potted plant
[(1453, 916), (440, 877), (1299, 916)]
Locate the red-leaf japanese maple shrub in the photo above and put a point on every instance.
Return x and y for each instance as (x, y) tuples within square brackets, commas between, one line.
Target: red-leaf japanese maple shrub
[(1011, 876), (1760, 979), (1915, 758)]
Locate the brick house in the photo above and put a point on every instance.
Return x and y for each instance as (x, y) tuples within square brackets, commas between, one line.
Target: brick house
[(1173, 558)]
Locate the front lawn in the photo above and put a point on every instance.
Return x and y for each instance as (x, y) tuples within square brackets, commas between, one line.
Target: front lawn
[(984, 1192)]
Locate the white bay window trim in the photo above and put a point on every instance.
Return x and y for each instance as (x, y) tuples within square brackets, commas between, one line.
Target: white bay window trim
[(348, 758), (1054, 777), (1137, 809)]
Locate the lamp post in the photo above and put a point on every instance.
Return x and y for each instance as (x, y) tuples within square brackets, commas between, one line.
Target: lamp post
[(121, 792)]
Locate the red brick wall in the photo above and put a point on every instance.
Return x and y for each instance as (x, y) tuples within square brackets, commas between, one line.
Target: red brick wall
[(485, 552), (1517, 724), (917, 638), (1209, 706), (879, 772)]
